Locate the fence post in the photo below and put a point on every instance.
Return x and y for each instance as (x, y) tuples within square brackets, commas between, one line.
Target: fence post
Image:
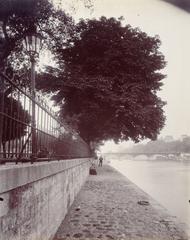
[(1, 87), (33, 83), (1, 111)]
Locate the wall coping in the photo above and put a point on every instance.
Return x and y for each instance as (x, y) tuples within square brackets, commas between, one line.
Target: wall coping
[(13, 176)]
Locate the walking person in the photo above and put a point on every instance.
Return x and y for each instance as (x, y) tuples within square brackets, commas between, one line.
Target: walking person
[(100, 161)]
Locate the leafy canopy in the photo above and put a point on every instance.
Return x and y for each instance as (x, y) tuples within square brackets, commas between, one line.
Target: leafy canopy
[(17, 120), (107, 81), (20, 17)]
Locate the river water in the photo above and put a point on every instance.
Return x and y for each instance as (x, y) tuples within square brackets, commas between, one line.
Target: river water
[(168, 182)]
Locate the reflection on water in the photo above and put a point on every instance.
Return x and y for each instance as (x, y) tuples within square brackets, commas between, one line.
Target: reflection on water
[(166, 181)]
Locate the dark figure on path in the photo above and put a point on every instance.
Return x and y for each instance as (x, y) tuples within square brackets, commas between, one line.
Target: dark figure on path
[(43, 153), (100, 161)]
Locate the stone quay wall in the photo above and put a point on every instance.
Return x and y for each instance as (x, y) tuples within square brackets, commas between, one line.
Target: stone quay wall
[(34, 198)]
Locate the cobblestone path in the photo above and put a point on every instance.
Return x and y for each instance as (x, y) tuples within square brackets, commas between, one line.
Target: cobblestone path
[(108, 207)]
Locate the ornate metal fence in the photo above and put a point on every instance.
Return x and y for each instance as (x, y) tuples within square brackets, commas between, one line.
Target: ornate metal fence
[(19, 140)]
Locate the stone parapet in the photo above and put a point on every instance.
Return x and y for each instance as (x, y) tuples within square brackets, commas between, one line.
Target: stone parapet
[(36, 197)]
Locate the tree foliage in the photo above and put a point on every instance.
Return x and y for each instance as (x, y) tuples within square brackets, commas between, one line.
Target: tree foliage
[(107, 81), (15, 124), (20, 17), (15, 120)]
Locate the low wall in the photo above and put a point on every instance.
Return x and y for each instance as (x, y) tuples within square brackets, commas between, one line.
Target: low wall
[(36, 197)]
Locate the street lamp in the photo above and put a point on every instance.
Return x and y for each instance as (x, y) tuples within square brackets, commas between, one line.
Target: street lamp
[(32, 44), (2, 88)]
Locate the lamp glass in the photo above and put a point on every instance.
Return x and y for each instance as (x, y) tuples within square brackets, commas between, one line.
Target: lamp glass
[(32, 44)]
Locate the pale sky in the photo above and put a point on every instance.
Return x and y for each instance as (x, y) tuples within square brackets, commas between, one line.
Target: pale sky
[(172, 24)]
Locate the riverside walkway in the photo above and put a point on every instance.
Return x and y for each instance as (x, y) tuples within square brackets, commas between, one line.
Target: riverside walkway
[(109, 206)]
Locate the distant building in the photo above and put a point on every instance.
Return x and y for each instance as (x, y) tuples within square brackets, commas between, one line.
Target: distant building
[(183, 137), (168, 138)]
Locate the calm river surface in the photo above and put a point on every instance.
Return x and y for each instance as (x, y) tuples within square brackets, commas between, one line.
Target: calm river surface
[(168, 182)]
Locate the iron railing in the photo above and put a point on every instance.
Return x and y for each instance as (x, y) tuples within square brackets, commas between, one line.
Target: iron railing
[(16, 129)]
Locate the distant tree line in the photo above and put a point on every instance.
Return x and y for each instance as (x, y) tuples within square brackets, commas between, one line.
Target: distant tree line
[(159, 146)]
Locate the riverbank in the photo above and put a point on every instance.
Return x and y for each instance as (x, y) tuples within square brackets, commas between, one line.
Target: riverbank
[(109, 206), (166, 181)]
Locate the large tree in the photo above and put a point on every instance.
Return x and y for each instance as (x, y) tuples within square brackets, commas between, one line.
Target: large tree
[(107, 81)]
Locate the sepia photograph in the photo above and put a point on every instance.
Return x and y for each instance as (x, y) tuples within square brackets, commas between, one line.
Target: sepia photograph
[(94, 119)]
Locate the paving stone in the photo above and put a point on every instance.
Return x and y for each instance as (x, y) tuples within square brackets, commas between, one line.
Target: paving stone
[(77, 235), (109, 209)]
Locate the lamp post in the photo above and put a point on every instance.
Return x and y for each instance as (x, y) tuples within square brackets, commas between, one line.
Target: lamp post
[(2, 41), (32, 45)]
